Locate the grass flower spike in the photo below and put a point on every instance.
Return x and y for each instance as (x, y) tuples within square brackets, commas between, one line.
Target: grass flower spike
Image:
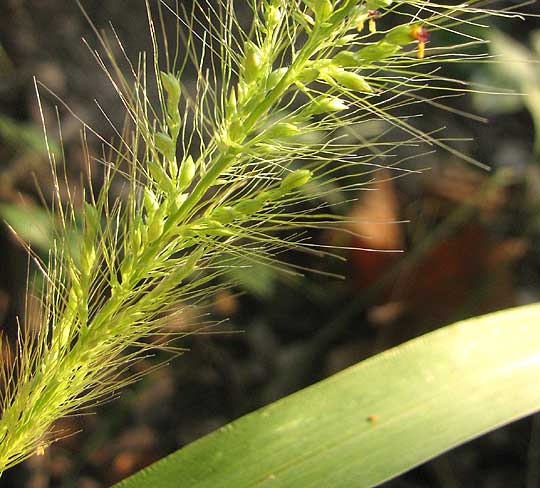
[(209, 176)]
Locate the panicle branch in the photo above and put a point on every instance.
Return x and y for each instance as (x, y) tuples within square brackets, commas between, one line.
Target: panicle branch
[(211, 175)]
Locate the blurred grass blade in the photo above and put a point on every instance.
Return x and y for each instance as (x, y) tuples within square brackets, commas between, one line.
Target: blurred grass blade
[(31, 223), (377, 419)]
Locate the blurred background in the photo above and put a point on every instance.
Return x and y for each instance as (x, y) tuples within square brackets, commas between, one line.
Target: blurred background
[(471, 242)]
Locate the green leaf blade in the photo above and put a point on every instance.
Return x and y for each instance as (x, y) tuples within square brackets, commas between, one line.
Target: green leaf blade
[(377, 419)]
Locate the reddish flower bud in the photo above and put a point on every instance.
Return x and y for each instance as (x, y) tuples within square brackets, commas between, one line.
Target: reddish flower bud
[(421, 34), (373, 15)]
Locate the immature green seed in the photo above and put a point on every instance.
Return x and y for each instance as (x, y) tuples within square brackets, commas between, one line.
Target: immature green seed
[(76, 291), (220, 231), (155, 229), (187, 173), (308, 75), (346, 40), (225, 215), (158, 174), (252, 62), (150, 201), (236, 129), (74, 296), (322, 8), (186, 269), (88, 258), (325, 8), (190, 263), (165, 145), (264, 148), (273, 16), (272, 194), (126, 268), (400, 35), (91, 220), (275, 77), (282, 130), (350, 80), (173, 168), (231, 102), (328, 105), (378, 51), (173, 124), (136, 240), (307, 19), (179, 199), (295, 179), (172, 87), (264, 196), (249, 207), (242, 88), (347, 59)]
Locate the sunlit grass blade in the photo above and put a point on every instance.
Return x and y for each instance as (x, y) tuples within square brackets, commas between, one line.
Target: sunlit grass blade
[(377, 419)]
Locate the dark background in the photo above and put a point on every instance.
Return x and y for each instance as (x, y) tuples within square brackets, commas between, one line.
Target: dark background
[(466, 253)]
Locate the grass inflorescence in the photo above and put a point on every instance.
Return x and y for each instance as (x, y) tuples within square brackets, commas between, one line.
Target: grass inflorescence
[(210, 176)]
